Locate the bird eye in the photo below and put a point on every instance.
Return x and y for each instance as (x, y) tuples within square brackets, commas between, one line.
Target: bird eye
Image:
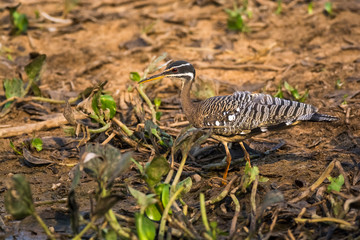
[(174, 70)]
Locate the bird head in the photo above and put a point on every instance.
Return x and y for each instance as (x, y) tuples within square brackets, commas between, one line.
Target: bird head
[(179, 70)]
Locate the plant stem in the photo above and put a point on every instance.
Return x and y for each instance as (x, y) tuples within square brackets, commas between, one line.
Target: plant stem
[(43, 225), (178, 173), (203, 212), (166, 212), (86, 228), (102, 129), (147, 100), (123, 127), (111, 218)]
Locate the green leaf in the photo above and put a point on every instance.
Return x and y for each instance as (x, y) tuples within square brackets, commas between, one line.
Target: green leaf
[(109, 234), (310, 8), (108, 102), (135, 76), (104, 163), (279, 7), (18, 198), (156, 169), (141, 168), (328, 7), (20, 22), (153, 212), (13, 88), (279, 93), (158, 115), (143, 200), (187, 184), (157, 103), (33, 69), (14, 148), (157, 136), (37, 143), (335, 183), (145, 227), (251, 173)]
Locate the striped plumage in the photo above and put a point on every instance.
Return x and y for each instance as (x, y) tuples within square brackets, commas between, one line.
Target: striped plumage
[(235, 117), (241, 112)]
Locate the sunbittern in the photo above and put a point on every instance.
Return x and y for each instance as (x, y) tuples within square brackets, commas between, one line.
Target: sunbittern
[(233, 118)]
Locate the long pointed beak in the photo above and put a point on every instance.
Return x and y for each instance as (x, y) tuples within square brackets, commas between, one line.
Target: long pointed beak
[(155, 77), (152, 78)]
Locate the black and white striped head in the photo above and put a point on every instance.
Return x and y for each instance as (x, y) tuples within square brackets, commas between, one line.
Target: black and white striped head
[(179, 69)]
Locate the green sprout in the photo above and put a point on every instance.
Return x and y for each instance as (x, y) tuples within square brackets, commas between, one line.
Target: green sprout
[(279, 7), (235, 19), (335, 183), (310, 8), (295, 93), (344, 102), (328, 8), (19, 21), (37, 143), (338, 84)]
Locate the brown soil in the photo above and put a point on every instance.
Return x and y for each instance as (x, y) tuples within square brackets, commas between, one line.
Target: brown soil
[(109, 39)]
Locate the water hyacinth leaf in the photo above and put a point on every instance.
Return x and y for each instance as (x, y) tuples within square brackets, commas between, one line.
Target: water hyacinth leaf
[(153, 213), (108, 102), (155, 170), (187, 184), (13, 88), (105, 162), (33, 69), (37, 143), (104, 204), (18, 198), (143, 200), (189, 138), (336, 183), (145, 227), (135, 76)]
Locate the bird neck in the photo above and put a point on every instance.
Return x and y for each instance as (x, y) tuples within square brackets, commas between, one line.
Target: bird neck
[(188, 106)]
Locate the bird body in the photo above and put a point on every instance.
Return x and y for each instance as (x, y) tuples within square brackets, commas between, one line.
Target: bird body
[(233, 118)]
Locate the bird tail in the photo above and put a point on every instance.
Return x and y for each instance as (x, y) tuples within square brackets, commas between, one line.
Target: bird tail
[(318, 117)]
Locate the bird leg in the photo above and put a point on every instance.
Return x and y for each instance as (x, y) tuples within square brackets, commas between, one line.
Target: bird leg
[(246, 154), (228, 159)]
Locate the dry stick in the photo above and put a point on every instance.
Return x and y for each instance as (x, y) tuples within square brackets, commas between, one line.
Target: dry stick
[(291, 235), (236, 215), (316, 184), (350, 201), (325, 219), (268, 235), (112, 135), (123, 127), (223, 194), (29, 128), (341, 170)]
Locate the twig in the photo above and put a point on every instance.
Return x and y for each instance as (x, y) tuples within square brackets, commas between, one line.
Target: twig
[(166, 212), (29, 128), (223, 194), (316, 184), (236, 215), (325, 219), (112, 135)]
